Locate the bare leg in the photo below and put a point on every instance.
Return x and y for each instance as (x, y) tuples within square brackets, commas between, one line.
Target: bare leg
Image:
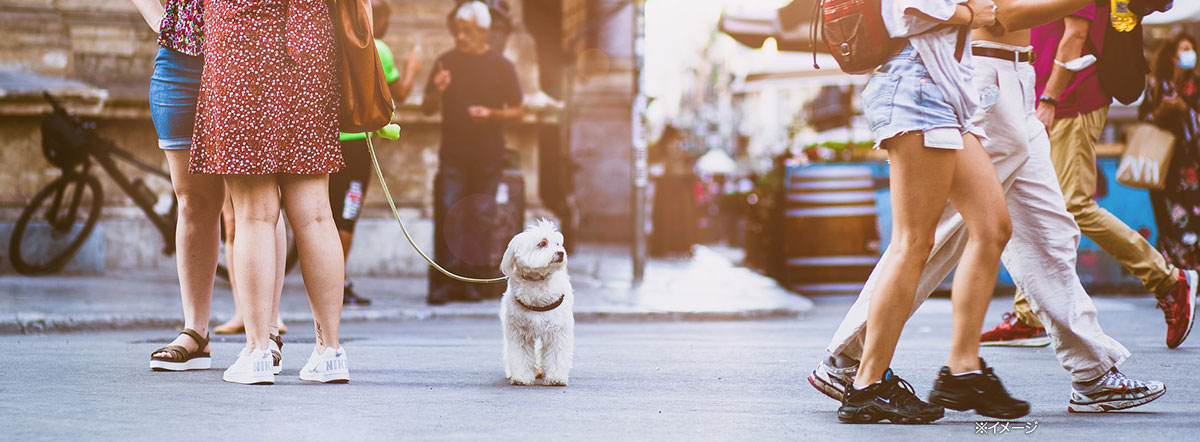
[(280, 262), (198, 238), (920, 182), (235, 322), (306, 199), (978, 196), (256, 207)]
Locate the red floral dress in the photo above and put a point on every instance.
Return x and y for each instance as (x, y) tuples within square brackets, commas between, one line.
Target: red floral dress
[(268, 97)]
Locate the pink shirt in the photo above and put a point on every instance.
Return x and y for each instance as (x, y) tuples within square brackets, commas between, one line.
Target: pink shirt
[(1083, 94)]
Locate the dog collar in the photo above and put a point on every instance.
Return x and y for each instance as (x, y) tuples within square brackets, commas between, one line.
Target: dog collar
[(546, 308)]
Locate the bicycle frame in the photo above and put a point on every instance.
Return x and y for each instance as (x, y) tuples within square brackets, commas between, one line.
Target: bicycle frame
[(103, 151)]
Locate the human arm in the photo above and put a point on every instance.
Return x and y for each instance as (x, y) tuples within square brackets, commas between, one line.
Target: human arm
[(439, 80), (402, 86), (152, 12), (1070, 47), (975, 13)]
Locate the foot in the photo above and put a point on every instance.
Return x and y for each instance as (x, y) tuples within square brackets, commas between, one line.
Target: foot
[(1179, 307), (251, 368), (349, 297), (328, 367), (185, 341), (980, 391), (1114, 391), (233, 326), (276, 354), (891, 399), (831, 380), (1012, 332)]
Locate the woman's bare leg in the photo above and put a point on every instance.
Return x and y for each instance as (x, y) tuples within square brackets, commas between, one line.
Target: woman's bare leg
[(235, 322), (198, 238), (978, 196), (306, 199), (256, 208), (920, 184), (280, 262)]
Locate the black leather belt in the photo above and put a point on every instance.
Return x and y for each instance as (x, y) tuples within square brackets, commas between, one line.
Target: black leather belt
[(1014, 56)]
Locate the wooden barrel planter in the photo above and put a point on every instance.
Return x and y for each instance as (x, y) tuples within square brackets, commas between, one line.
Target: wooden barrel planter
[(831, 229)]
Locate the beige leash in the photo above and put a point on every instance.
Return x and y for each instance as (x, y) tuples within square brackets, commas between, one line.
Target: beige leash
[(392, 204)]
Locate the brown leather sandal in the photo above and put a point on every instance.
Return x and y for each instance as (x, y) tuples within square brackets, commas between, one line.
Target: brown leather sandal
[(180, 358), (277, 354)]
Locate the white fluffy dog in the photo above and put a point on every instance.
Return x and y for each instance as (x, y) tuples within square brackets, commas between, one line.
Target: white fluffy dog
[(539, 326)]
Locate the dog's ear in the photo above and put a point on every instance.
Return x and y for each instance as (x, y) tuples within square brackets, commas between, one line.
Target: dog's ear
[(508, 264)]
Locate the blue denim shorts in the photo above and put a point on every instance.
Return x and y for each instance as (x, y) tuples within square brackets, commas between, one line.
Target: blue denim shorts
[(174, 90), (900, 97)]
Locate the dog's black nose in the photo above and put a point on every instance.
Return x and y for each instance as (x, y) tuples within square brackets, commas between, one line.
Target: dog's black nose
[(558, 256)]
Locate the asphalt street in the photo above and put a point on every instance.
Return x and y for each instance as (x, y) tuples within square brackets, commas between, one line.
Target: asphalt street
[(669, 380)]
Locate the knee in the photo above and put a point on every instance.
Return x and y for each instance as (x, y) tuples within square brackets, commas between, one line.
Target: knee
[(993, 235), (194, 205), (912, 244)]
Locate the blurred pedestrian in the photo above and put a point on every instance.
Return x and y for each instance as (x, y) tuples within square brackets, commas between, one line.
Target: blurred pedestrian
[(348, 187), (1073, 107), (267, 121), (477, 91), (1172, 103)]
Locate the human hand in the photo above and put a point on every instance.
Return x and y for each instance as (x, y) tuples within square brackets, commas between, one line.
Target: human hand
[(479, 114), (1045, 114), (985, 13), (1175, 103), (441, 80)]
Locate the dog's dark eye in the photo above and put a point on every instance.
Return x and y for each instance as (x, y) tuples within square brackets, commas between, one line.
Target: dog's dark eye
[(542, 244)]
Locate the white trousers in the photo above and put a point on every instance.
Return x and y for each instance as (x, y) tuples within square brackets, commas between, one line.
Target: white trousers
[(1041, 254)]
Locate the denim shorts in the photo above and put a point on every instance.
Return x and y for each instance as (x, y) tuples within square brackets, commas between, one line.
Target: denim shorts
[(900, 97), (174, 89)]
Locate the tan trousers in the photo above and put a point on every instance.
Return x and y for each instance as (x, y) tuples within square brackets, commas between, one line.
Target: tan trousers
[(1073, 152)]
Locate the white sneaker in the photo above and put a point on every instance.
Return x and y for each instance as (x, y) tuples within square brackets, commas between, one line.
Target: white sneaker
[(251, 367), (328, 367)]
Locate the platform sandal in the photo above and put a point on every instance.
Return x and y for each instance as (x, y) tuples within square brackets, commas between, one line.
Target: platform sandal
[(179, 358), (277, 354)]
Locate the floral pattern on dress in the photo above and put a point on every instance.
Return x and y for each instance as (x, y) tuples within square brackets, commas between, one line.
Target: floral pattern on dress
[(269, 92), (182, 27)]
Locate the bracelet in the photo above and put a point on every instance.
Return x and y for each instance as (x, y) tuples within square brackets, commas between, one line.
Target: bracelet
[(972, 11), (1051, 100)]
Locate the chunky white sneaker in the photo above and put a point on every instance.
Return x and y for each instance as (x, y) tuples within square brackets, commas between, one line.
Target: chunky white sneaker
[(1115, 391), (251, 367), (327, 367)]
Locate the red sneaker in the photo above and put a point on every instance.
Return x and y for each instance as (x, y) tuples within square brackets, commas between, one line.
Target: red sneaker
[(1179, 307), (1013, 333)]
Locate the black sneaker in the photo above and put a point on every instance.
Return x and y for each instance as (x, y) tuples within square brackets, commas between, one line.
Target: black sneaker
[(892, 399), (981, 392), (351, 298)]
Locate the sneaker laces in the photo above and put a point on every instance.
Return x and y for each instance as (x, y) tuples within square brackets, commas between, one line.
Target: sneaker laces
[(897, 388), (1165, 303), (1007, 321), (1115, 378)]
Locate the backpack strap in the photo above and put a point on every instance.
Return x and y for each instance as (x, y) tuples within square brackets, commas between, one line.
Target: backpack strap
[(961, 46)]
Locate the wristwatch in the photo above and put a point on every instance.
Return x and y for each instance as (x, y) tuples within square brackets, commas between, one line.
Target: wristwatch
[(1046, 99)]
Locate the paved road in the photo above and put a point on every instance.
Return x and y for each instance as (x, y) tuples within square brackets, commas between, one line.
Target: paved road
[(442, 379)]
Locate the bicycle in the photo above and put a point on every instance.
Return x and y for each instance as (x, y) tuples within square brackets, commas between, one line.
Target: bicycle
[(45, 239)]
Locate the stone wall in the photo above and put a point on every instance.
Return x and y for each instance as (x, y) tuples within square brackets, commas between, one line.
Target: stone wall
[(98, 54)]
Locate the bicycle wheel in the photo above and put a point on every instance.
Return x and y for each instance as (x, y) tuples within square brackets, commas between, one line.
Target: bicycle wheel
[(55, 224)]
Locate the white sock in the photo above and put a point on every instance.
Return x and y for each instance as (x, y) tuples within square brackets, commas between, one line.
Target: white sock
[(967, 373)]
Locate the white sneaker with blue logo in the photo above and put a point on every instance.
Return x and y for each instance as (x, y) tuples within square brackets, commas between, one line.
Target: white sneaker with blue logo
[(251, 367), (327, 367)]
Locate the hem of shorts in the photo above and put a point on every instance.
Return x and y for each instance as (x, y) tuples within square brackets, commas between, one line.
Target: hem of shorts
[(175, 143), (893, 133)]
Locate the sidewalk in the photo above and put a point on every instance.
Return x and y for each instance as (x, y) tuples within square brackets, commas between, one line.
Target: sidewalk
[(706, 287)]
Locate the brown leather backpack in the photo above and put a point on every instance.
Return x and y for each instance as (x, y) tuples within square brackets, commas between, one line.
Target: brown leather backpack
[(366, 102)]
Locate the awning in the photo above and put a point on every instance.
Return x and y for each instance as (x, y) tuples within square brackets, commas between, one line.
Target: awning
[(789, 26), (1183, 11)]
